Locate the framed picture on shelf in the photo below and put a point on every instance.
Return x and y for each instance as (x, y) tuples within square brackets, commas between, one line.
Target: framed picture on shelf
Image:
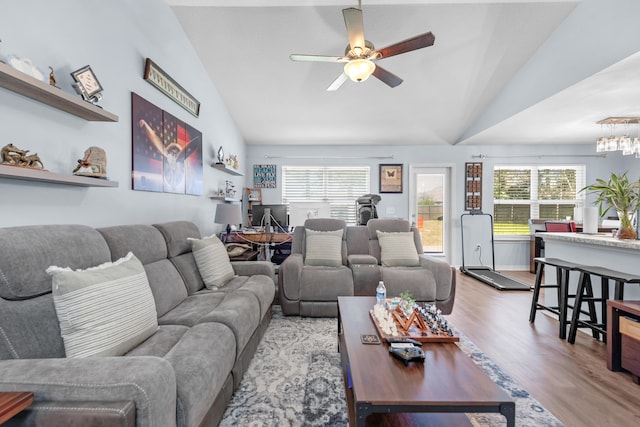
[(254, 194), (87, 81), (391, 178)]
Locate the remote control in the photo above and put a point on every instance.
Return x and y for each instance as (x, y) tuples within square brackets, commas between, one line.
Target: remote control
[(404, 340), (411, 354)]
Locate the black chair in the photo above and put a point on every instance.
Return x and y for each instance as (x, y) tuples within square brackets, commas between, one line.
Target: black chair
[(585, 294), (563, 268)]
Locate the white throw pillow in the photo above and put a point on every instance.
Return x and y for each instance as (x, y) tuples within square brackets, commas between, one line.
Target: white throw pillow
[(398, 249), (212, 261), (323, 248), (105, 310)]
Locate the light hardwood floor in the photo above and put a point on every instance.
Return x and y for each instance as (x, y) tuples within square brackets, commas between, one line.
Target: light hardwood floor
[(572, 381)]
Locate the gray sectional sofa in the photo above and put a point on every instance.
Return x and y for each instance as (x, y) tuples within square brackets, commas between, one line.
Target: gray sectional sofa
[(313, 290), (183, 375)]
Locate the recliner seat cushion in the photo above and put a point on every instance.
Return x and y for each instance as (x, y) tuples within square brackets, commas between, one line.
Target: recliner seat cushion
[(417, 280)]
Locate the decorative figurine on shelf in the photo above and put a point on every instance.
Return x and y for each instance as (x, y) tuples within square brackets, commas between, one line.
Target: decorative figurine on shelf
[(234, 158), (229, 162), (52, 77), (13, 156), (94, 163), (220, 156)]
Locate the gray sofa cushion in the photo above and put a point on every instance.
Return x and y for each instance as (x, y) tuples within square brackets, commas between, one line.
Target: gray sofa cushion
[(259, 285), (325, 283), (26, 252), (192, 309), (417, 280), (145, 241), (176, 234), (202, 357), (186, 266), (29, 329), (166, 285)]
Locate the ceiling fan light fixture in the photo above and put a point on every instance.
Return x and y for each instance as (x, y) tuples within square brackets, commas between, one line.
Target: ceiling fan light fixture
[(359, 70)]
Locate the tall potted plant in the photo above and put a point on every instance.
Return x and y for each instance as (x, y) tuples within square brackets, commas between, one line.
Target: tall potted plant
[(621, 194)]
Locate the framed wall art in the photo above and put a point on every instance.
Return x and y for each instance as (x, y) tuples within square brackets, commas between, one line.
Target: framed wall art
[(167, 152), (264, 176), (391, 178), (165, 84)]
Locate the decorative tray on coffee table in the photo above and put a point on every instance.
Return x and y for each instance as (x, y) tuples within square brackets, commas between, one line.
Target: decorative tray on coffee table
[(425, 324)]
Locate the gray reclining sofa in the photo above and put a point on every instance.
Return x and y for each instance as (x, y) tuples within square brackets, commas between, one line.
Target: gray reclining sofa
[(311, 290), (182, 375)]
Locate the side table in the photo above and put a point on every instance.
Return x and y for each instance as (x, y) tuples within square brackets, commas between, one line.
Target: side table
[(11, 403), (623, 352)]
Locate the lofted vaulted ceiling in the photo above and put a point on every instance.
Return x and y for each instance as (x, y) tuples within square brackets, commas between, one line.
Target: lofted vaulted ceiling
[(500, 72)]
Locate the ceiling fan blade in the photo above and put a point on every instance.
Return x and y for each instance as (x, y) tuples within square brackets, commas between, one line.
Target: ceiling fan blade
[(414, 43), (338, 82), (318, 58), (386, 77), (355, 27)]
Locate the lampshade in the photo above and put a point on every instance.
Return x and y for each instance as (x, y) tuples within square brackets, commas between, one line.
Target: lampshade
[(359, 70), (227, 213)]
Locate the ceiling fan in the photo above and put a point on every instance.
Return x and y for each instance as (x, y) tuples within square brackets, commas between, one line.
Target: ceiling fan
[(360, 54)]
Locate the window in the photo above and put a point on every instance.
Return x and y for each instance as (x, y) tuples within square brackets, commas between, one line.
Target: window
[(521, 193), (340, 186)]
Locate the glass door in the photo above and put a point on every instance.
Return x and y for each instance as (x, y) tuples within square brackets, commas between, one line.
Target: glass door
[(429, 195)]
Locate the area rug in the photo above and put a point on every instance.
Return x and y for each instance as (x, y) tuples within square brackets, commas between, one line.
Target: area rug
[(295, 379)]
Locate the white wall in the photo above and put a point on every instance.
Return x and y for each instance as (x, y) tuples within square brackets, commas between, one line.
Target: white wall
[(114, 37), (509, 254)]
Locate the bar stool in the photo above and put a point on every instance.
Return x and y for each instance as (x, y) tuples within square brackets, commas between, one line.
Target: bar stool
[(585, 294), (562, 285)]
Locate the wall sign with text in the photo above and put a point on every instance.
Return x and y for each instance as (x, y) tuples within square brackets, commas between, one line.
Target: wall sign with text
[(264, 176)]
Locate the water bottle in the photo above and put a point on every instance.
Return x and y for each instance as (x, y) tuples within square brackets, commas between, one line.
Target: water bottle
[(381, 294)]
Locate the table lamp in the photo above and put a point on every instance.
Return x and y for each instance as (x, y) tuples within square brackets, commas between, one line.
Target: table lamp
[(228, 214)]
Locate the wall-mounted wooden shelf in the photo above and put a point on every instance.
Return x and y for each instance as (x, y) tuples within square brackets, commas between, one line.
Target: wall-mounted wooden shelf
[(30, 87), (223, 168), (27, 174), (226, 199)]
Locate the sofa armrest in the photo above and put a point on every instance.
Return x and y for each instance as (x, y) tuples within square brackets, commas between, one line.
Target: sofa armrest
[(148, 381), (442, 273), (366, 273), (361, 259), (253, 268), (289, 278)]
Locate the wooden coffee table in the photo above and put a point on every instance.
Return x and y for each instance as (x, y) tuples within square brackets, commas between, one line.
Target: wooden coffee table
[(449, 382)]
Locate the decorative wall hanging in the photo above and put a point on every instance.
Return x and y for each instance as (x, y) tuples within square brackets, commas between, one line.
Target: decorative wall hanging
[(161, 80), (473, 187), (391, 178), (264, 176), (167, 152)]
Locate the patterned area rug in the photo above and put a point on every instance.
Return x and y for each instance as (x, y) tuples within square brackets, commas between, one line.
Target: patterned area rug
[(295, 379)]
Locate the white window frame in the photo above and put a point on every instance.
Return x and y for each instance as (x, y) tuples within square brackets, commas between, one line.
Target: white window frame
[(340, 201), (533, 201)]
